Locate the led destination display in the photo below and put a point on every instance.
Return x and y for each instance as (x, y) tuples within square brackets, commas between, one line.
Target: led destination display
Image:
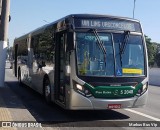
[(108, 24)]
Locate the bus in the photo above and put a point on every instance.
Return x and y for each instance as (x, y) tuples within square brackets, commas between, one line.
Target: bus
[(85, 62)]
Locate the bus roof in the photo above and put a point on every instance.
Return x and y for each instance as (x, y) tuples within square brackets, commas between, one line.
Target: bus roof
[(101, 16), (72, 16)]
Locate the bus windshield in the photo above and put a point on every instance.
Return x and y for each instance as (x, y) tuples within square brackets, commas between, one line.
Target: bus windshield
[(90, 57)]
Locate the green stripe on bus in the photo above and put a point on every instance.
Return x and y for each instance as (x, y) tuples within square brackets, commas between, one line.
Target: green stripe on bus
[(113, 91)]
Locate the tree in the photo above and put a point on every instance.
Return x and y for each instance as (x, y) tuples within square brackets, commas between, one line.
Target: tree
[(151, 49), (157, 59)]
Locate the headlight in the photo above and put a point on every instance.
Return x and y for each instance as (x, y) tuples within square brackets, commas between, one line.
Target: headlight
[(145, 87), (79, 87), (82, 90)]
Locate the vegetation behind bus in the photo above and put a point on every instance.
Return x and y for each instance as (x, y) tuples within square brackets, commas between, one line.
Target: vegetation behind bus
[(153, 49)]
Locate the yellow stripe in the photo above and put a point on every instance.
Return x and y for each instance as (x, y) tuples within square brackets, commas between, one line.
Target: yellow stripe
[(131, 71)]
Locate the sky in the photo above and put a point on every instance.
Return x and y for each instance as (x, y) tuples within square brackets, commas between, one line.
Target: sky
[(27, 15)]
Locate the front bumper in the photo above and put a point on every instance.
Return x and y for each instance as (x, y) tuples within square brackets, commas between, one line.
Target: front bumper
[(79, 102)]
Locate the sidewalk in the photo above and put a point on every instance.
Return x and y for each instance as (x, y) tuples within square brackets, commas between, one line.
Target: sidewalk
[(5, 115), (13, 110), (4, 112)]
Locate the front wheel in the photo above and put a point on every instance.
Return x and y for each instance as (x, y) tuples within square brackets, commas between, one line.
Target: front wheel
[(47, 91)]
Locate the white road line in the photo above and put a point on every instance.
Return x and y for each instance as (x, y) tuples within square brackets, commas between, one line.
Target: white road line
[(142, 114)]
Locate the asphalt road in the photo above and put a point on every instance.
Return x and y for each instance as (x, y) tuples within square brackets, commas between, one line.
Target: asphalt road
[(35, 104)]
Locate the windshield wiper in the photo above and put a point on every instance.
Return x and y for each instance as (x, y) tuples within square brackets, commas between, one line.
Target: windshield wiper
[(123, 45), (125, 42), (100, 44)]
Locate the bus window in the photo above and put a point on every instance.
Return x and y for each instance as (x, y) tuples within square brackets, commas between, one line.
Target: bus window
[(43, 48), (22, 55)]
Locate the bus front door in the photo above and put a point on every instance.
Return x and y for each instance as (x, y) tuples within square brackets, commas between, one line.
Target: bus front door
[(59, 68)]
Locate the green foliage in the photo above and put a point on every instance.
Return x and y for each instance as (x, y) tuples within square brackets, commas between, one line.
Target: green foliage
[(151, 49), (157, 59)]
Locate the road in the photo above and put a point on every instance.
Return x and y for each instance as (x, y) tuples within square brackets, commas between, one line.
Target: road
[(35, 104)]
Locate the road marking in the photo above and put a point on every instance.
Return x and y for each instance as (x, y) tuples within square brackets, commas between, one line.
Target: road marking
[(142, 114)]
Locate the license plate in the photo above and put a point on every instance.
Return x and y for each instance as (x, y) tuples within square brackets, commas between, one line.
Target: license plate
[(114, 106)]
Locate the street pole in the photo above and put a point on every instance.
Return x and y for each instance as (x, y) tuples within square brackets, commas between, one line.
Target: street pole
[(3, 38), (134, 7)]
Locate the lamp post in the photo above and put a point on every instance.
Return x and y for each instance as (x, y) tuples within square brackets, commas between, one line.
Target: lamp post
[(134, 6), (3, 38)]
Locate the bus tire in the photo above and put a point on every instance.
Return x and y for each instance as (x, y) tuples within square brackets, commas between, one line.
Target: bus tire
[(47, 90)]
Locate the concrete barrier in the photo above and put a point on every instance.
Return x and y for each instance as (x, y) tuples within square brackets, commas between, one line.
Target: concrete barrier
[(154, 76)]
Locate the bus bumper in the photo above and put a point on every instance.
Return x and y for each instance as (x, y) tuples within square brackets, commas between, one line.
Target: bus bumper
[(79, 102)]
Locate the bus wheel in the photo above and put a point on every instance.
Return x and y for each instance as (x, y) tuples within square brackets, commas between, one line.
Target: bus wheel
[(47, 91)]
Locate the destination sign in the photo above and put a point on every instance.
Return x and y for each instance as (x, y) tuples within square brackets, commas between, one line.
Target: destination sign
[(109, 24)]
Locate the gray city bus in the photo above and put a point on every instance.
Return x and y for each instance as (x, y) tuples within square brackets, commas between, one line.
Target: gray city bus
[(85, 61)]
